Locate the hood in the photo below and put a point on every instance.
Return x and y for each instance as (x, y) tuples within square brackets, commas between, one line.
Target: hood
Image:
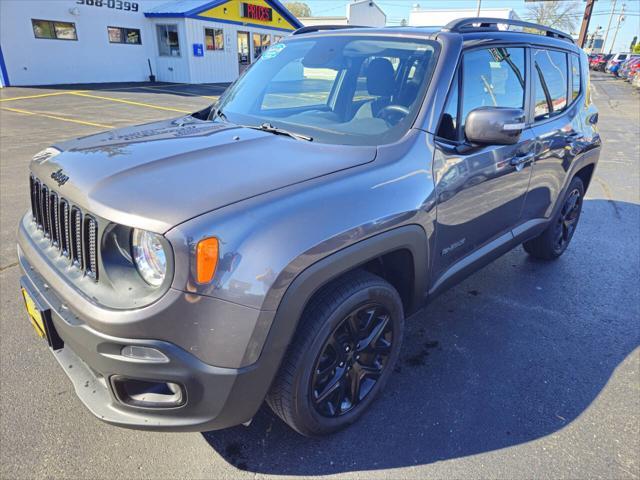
[(158, 175)]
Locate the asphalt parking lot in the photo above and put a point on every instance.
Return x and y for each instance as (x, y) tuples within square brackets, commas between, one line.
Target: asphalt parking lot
[(527, 369)]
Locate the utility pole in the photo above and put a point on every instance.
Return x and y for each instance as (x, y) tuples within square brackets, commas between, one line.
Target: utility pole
[(606, 33), (620, 19), (479, 5), (584, 29)]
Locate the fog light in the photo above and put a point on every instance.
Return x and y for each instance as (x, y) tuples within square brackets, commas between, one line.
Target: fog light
[(144, 354), (149, 394)]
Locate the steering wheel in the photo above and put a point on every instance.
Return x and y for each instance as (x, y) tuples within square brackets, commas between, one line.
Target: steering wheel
[(392, 114)]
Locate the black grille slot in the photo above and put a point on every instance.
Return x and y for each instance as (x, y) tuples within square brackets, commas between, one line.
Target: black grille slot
[(72, 232), (64, 228), (76, 237), (44, 206), (34, 198), (91, 247), (37, 195), (54, 215)]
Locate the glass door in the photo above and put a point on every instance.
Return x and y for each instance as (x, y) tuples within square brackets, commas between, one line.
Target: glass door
[(244, 54), (260, 43)]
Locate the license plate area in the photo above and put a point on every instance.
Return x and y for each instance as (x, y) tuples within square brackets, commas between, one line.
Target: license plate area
[(40, 317)]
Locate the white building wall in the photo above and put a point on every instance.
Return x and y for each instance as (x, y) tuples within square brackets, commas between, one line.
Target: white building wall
[(171, 69), (215, 65), (34, 61), (365, 13), (419, 17), (313, 21)]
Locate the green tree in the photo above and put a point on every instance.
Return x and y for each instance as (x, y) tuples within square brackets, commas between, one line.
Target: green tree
[(636, 48), (298, 9), (560, 14)]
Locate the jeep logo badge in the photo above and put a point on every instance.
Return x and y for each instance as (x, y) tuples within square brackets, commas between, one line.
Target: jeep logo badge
[(60, 177)]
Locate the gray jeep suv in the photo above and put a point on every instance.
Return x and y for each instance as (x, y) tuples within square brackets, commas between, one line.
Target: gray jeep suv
[(271, 246)]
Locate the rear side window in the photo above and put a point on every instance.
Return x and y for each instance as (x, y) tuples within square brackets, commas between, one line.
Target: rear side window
[(492, 77), (576, 77), (551, 85)]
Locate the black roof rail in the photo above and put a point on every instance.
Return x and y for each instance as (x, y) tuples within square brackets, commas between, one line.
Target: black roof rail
[(491, 24), (317, 28)]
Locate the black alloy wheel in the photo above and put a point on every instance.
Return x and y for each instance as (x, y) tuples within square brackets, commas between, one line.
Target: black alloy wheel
[(352, 360), (341, 356), (567, 220), (555, 238)]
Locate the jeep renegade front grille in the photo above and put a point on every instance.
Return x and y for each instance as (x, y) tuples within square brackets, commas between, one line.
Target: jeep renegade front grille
[(69, 230)]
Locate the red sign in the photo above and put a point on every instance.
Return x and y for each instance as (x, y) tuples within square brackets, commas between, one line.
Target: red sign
[(256, 12)]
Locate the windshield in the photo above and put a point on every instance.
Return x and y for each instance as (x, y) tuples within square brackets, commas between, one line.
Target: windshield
[(353, 90)]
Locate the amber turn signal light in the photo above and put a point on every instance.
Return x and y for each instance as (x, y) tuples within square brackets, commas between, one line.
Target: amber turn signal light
[(206, 259)]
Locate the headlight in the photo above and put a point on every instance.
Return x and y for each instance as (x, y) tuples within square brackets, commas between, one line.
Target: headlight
[(149, 256)]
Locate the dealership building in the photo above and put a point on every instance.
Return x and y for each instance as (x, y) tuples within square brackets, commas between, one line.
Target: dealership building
[(45, 42)]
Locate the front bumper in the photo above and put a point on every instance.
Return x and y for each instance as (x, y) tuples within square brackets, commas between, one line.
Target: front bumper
[(215, 397)]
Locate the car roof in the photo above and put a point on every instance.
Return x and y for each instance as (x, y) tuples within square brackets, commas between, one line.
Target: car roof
[(470, 29)]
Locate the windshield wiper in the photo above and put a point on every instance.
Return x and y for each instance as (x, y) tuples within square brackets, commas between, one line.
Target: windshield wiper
[(267, 127), (219, 113)]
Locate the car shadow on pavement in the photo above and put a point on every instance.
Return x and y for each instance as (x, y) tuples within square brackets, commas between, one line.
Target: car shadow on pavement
[(516, 352)]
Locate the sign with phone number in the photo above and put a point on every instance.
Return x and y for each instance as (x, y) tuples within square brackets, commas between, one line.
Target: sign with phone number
[(115, 4)]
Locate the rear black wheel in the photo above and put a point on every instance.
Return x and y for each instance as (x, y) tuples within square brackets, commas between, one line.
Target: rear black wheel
[(552, 243), (344, 351)]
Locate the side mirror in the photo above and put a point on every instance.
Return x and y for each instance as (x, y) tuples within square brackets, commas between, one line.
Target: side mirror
[(494, 125)]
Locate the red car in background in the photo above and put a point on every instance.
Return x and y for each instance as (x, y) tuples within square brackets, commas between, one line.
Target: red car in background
[(600, 61), (628, 71)]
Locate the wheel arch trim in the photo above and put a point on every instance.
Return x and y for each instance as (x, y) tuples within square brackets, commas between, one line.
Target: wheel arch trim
[(309, 281), (409, 237)]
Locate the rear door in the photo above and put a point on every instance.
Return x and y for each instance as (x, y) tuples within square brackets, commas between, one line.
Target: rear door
[(480, 189), (558, 123)]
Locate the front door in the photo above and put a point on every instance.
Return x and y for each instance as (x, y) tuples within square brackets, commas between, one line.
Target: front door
[(480, 189), (244, 53)]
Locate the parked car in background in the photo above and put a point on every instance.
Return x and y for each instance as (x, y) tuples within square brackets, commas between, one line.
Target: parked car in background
[(601, 62), (594, 59), (615, 60), (627, 66)]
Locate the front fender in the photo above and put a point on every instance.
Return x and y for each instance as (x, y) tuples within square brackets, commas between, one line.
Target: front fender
[(302, 288)]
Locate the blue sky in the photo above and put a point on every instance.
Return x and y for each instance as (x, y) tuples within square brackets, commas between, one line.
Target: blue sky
[(399, 9)]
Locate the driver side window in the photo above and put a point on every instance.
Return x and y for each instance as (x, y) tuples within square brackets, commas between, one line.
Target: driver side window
[(491, 77)]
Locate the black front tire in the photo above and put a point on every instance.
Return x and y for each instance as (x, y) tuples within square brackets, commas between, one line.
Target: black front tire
[(555, 239), (349, 337)]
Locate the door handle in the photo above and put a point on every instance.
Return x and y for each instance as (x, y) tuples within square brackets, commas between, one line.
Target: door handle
[(520, 160)]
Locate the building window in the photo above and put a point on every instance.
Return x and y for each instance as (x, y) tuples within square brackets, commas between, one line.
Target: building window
[(54, 30), (168, 43), (214, 38), (124, 35), (260, 43)]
